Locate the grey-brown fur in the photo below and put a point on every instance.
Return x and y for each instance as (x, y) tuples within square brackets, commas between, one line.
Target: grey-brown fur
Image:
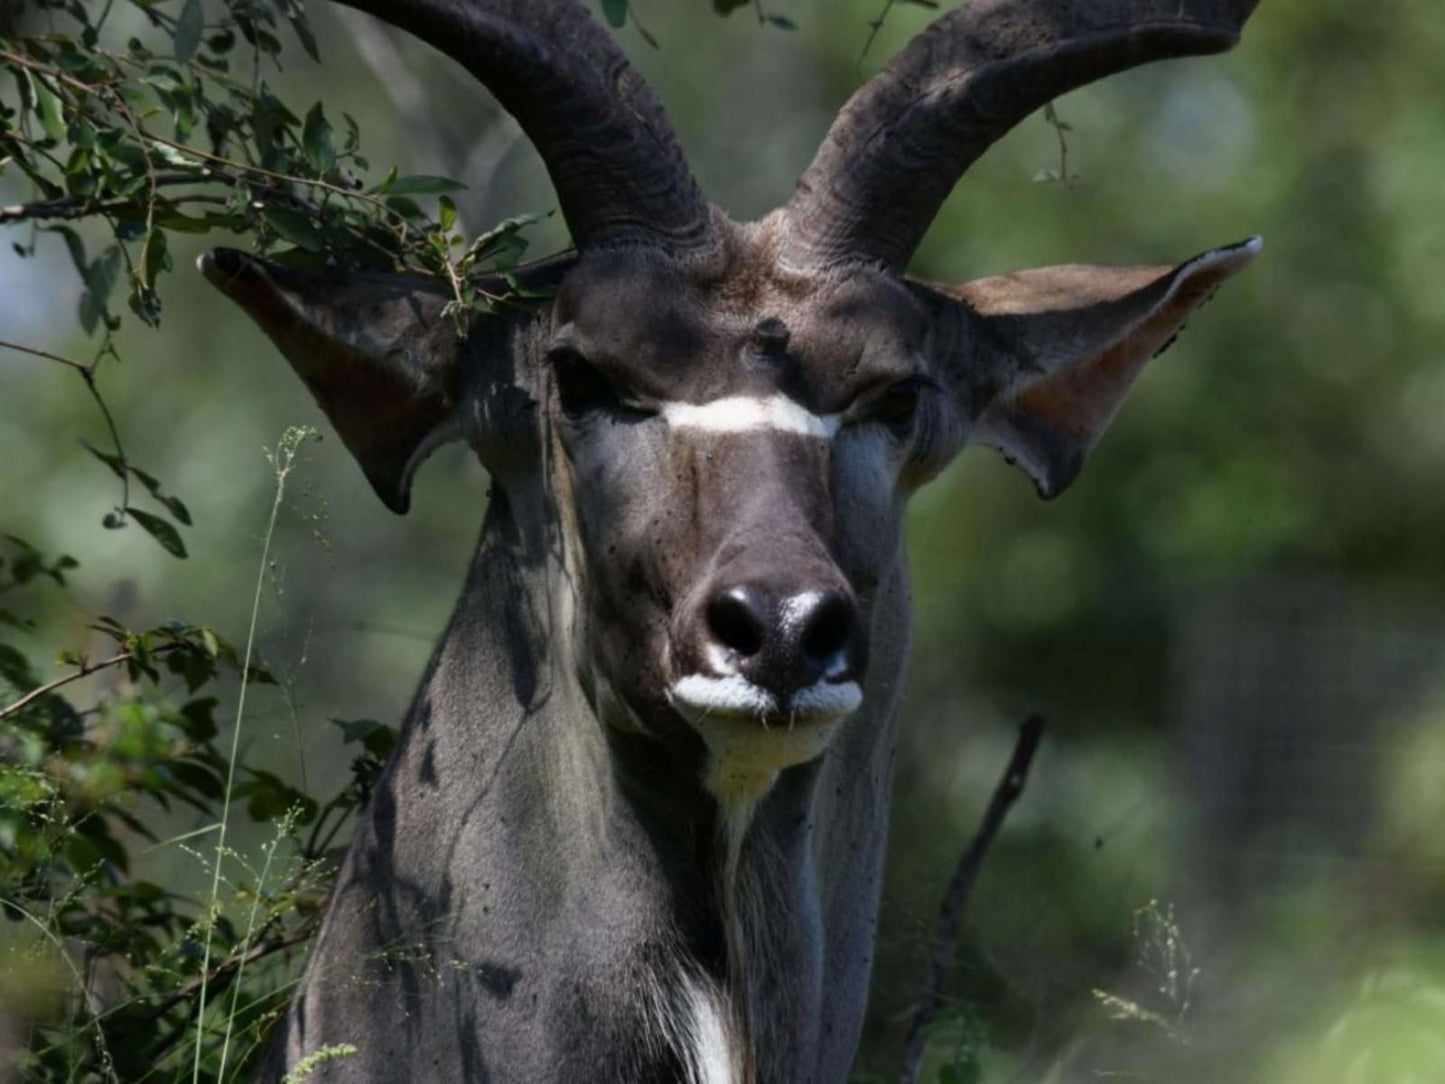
[(701, 450)]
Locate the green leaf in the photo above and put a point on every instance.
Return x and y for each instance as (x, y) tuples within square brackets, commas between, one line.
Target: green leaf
[(968, 1071), (782, 22), (271, 797), (385, 186), (353, 134), (82, 854), (189, 26), (295, 227), (101, 276), (405, 207), (161, 531), (114, 462), (157, 254), (198, 719), (199, 778), (176, 507), (503, 237), (377, 738), (303, 32), (446, 213), (317, 141), (259, 675), (422, 185), (615, 11), (76, 247), (47, 107), (15, 669), (173, 504), (301, 258), (181, 223)]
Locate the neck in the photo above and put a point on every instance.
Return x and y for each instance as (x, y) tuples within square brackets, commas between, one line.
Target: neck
[(581, 903)]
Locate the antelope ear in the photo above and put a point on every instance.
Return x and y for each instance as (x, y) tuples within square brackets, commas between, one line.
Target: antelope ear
[(375, 350), (1059, 348)]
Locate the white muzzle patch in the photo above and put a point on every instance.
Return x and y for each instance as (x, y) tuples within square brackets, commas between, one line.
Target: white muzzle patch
[(750, 736)]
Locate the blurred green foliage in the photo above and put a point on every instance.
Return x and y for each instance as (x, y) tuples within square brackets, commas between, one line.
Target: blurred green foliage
[(1292, 437)]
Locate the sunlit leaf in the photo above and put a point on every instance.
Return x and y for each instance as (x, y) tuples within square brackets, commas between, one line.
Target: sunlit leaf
[(48, 109)]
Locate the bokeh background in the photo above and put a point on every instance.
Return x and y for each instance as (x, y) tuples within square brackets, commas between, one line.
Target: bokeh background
[(1229, 862)]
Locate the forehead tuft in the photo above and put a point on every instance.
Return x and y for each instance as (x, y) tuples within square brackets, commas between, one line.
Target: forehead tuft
[(696, 332)]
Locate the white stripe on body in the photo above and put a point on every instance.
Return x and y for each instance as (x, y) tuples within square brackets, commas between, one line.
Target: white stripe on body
[(714, 1048), (745, 413)]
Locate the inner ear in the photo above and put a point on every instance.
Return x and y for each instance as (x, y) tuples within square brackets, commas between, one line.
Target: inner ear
[(376, 350), (1063, 346)]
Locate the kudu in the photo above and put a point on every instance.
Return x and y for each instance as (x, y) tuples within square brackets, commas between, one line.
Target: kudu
[(634, 827)]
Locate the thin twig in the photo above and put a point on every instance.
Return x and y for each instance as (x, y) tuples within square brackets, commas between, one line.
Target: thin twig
[(85, 671), (152, 194), (46, 354), (69, 207), (875, 25), (960, 888), (88, 375), (256, 952), (1060, 126), (143, 135)]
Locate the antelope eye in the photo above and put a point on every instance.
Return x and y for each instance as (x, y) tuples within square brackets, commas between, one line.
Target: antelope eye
[(580, 384), (898, 405)]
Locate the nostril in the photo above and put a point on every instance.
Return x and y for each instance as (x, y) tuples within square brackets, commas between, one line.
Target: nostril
[(735, 621), (828, 629)]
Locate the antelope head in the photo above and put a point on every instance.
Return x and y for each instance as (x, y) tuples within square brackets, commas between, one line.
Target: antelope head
[(713, 428)]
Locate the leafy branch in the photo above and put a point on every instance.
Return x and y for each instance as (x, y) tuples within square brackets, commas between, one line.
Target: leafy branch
[(82, 133), (158, 528), (1062, 174)]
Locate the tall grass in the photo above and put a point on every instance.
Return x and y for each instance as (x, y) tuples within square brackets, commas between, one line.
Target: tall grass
[(283, 461)]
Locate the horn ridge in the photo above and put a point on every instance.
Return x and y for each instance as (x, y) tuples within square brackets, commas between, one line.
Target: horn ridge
[(904, 139), (609, 147)]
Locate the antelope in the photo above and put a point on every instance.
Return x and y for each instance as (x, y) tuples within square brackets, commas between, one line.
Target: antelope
[(634, 826)]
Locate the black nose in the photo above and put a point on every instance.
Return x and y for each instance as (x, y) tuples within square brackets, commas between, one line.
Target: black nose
[(784, 642)]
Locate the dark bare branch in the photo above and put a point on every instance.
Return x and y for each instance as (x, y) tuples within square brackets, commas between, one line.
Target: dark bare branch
[(961, 887), (906, 137), (608, 146)]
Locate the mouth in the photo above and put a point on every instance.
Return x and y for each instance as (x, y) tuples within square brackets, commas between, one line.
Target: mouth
[(752, 735), (699, 697)]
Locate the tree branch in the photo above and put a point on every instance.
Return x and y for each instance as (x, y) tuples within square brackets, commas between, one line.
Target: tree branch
[(476, 162), (65, 680), (256, 952), (83, 206), (961, 887), (46, 354)]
